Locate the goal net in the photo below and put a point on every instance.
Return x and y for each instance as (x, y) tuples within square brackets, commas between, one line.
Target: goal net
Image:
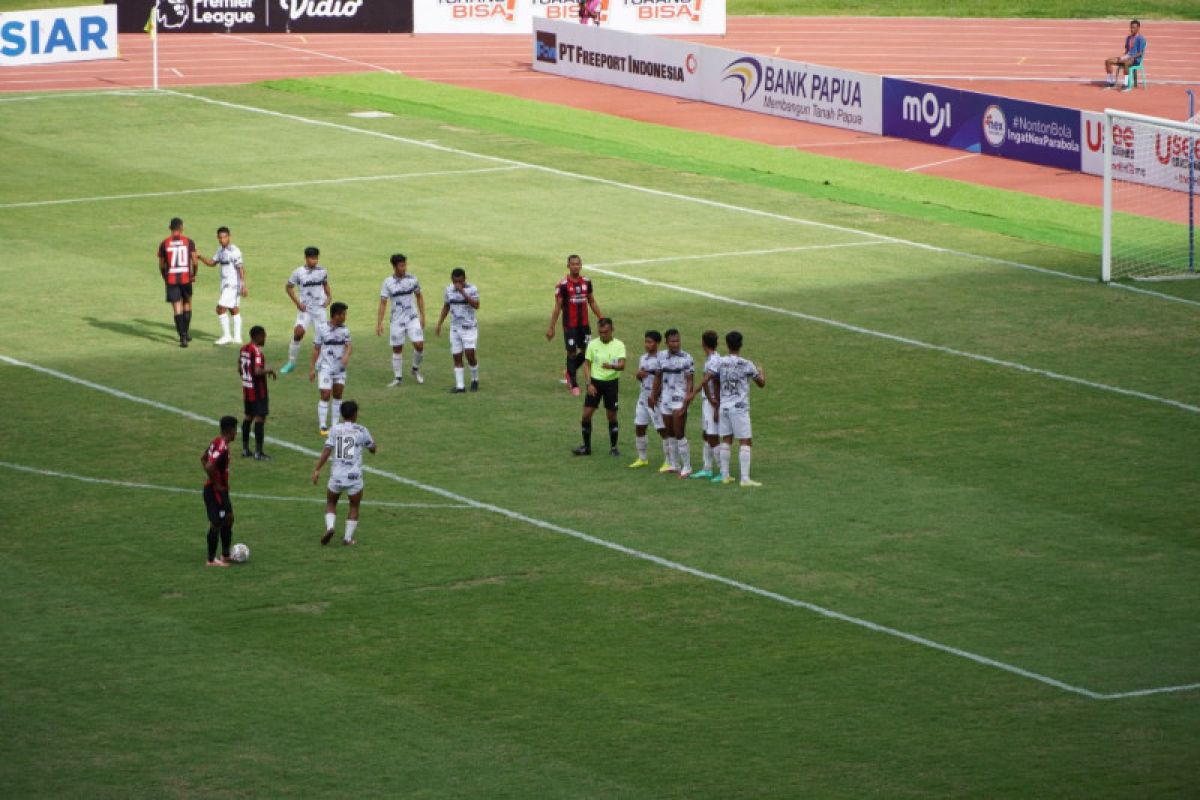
[(1150, 182)]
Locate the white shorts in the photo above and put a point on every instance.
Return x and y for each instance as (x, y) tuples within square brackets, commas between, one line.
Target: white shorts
[(231, 296), (735, 422), (410, 331), (668, 404), (309, 319), (710, 423), (463, 339), (346, 484), (326, 378), (645, 415)]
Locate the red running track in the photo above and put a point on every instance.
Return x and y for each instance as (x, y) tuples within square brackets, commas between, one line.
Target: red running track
[(1054, 61)]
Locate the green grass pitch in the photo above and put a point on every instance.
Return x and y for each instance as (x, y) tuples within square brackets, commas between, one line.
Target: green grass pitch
[(956, 450)]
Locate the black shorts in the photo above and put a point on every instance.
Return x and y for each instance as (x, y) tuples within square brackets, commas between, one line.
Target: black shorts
[(218, 510), (577, 338), (257, 408), (606, 391), (179, 292)]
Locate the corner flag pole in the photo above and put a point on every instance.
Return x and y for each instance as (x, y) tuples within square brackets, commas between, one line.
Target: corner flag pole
[(153, 26), (1192, 186)]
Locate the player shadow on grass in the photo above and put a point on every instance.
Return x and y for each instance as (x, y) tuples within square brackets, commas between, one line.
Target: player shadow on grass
[(142, 328)]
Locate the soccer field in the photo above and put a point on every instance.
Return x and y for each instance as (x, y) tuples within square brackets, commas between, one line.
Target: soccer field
[(971, 570)]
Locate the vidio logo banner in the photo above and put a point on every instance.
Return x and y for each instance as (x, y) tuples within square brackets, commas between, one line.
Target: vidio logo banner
[(926, 109)]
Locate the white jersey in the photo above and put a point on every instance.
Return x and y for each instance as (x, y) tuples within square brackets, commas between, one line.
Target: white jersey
[(312, 287), (675, 369), (403, 294), (346, 442), (736, 373), (230, 260), (648, 363), (332, 343), (462, 313)]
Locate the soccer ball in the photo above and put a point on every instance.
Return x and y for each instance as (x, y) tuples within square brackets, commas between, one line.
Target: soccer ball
[(240, 553)]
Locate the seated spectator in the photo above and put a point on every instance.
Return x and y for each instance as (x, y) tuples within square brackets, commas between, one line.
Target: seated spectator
[(589, 9), (1135, 48)]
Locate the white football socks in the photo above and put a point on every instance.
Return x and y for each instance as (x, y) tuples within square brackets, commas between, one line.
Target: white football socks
[(293, 351), (475, 372), (672, 452), (418, 357), (237, 327), (398, 365), (458, 377), (337, 410), (744, 461), (224, 320), (724, 454), (351, 524), (330, 521), (322, 412), (707, 451), (666, 443), (640, 443), (685, 455)]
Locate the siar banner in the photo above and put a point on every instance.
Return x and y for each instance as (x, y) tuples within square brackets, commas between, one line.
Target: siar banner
[(982, 123), (54, 36)]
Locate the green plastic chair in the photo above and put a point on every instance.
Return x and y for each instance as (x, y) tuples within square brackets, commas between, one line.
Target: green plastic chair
[(1131, 74)]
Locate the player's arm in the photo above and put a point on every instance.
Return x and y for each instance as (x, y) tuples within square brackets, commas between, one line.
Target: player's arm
[(554, 316), (208, 262), (441, 319), (587, 371), (760, 378), (192, 260), (472, 301), (241, 271), (213, 473), (291, 292), (328, 294), (312, 367), (656, 390), (592, 302), (383, 301), (162, 261), (421, 308), (346, 355), (617, 364), (689, 390), (321, 463)]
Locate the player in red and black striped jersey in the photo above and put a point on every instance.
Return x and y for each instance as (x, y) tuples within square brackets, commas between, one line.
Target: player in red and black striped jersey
[(216, 493), (252, 366), (177, 263), (572, 297)]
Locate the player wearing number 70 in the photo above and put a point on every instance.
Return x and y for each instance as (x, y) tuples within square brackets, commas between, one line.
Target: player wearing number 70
[(344, 447)]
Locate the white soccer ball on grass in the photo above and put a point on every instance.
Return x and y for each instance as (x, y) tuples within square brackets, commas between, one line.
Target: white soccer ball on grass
[(240, 553)]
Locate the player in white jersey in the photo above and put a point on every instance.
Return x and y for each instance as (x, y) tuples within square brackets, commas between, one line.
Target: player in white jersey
[(708, 404), (344, 447), (672, 388), (233, 286), (331, 355), (408, 317), (315, 295), (461, 300), (732, 379), (645, 416)]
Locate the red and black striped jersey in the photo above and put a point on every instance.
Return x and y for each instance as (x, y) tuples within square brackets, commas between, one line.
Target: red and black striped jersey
[(217, 453), (176, 253), (574, 294), (254, 385)]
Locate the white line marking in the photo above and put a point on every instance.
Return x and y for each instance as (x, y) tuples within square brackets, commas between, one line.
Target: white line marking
[(253, 187), (81, 93), (939, 163), (50, 473), (846, 326), (629, 551), (737, 254), (178, 74), (671, 195), (309, 52)]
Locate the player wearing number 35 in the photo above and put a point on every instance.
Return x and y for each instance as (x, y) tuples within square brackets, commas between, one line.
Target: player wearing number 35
[(344, 448)]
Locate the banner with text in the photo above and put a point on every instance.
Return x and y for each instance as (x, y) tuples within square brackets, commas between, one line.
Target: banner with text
[(53, 36), (1142, 153), (983, 123), (765, 85), (258, 16), (516, 16)]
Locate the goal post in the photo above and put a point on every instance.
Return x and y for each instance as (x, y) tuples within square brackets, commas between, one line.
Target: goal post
[(1150, 182)]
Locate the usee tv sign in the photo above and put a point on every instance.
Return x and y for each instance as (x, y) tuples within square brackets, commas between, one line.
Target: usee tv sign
[(56, 35)]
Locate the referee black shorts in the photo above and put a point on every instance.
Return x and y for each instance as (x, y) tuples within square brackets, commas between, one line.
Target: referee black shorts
[(606, 391), (577, 338), (219, 507)]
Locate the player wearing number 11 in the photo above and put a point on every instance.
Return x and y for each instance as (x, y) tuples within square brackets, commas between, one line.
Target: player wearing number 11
[(343, 448)]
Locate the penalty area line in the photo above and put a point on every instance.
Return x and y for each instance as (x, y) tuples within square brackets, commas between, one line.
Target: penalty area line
[(51, 473), (629, 551)]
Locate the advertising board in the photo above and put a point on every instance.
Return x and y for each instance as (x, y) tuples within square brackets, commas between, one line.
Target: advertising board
[(250, 16), (983, 123), (516, 16), (1141, 153), (54, 36)]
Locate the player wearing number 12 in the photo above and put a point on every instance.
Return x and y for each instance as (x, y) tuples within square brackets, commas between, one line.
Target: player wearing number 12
[(344, 448), (177, 263)]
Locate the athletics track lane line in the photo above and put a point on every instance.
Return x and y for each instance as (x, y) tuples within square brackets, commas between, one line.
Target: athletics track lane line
[(629, 551)]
